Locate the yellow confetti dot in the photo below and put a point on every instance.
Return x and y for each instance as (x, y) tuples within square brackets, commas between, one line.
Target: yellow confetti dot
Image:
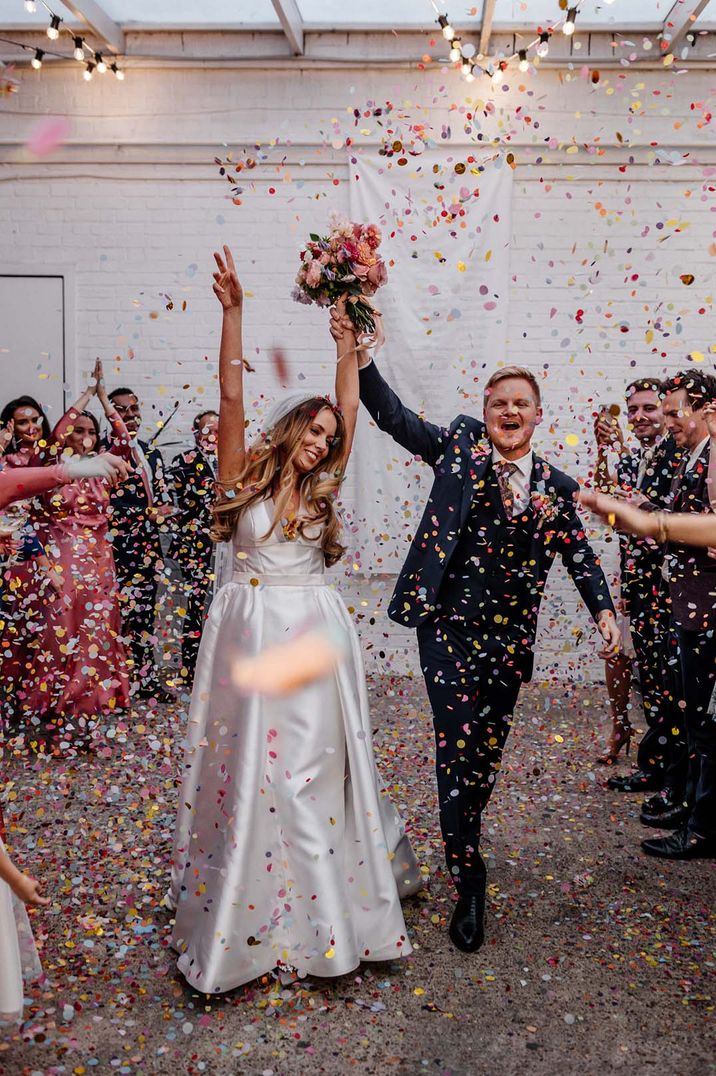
[(418, 991), (329, 954), (559, 739), (460, 743), (572, 439), (461, 267), (697, 356)]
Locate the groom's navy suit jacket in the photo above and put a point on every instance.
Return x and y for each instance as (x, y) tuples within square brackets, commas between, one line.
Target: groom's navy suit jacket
[(461, 459)]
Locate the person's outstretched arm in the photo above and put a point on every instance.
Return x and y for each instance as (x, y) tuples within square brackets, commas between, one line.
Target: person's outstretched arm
[(232, 437), (21, 483), (416, 435), (347, 383), (689, 528), (24, 887)]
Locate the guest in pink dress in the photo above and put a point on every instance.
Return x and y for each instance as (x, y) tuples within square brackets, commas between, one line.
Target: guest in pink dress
[(76, 667)]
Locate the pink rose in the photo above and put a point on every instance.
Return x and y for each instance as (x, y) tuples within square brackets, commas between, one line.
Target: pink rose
[(361, 271), (378, 275), (324, 258), (313, 274)]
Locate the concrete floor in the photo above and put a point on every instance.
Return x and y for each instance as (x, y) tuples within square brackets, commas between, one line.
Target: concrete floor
[(597, 958)]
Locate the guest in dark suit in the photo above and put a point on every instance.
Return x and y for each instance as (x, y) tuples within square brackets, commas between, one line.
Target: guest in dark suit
[(645, 475), (193, 475), (691, 576), (138, 509), (472, 585)]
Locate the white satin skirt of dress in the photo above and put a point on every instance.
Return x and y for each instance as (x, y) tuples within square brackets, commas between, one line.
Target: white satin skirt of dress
[(19, 963), (288, 850)]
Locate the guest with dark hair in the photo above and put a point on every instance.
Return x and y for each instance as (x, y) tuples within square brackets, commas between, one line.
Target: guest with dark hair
[(193, 475), (138, 508), (645, 475), (73, 670), (30, 430), (691, 574)]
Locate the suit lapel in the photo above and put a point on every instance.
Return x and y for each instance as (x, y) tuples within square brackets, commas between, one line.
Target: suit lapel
[(476, 477)]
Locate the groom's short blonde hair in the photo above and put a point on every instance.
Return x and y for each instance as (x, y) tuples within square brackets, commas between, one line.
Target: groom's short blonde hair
[(514, 371)]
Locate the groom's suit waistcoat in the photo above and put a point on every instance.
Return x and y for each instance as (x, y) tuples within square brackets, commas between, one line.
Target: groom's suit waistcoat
[(464, 530)]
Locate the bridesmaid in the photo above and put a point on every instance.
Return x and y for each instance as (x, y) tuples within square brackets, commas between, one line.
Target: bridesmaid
[(77, 664)]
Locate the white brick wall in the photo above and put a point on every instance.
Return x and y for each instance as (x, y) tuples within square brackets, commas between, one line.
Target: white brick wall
[(133, 205)]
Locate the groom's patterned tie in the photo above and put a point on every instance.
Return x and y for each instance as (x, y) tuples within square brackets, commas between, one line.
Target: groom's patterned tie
[(503, 470)]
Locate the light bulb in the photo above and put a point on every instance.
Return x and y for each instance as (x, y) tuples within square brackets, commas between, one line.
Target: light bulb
[(470, 76), (101, 65), (524, 63), (79, 53), (570, 22), (88, 71), (30, 7), (117, 71), (36, 60), (543, 47), (448, 32), (455, 50), (466, 67), (53, 30)]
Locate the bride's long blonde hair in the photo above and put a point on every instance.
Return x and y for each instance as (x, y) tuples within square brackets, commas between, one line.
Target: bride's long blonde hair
[(270, 471)]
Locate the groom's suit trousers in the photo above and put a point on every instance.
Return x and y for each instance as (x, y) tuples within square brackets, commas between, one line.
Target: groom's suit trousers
[(473, 681)]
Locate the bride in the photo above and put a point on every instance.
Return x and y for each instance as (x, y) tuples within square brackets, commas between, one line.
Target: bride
[(287, 850)]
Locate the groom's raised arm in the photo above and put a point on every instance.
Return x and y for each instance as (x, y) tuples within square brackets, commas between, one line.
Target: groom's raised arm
[(415, 434)]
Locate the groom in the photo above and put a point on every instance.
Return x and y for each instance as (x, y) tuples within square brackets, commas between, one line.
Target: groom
[(472, 585)]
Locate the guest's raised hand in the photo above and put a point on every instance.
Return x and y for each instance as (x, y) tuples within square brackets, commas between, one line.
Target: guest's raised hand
[(227, 287), (709, 413), (6, 435), (8, 543)]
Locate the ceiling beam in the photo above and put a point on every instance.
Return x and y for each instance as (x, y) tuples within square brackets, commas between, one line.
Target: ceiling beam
[(96, 18), (488, 14), (680, 20), (291, 23)]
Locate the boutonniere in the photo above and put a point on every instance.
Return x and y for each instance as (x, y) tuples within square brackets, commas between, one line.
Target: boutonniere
[(481, 450), (545, 503)]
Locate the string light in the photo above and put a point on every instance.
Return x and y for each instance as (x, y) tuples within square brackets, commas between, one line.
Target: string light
[(524, 64), (456, 49), (543, 46), (88, 72), (53, 30), (448, 32), (117, 72), (101, 65), (570, 22), (36, 60), (30, 7), (79, 53), (466, 67)]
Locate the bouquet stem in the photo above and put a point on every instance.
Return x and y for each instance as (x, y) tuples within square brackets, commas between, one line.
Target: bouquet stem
[(362, 315)]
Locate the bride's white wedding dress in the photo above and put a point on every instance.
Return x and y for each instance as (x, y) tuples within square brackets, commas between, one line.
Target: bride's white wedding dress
[(287, 849)]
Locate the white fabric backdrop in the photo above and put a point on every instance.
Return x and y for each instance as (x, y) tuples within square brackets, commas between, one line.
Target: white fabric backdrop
[(444, 313)]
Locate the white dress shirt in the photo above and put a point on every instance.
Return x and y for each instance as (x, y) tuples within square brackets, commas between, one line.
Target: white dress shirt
[(520, 478), (695, 454)]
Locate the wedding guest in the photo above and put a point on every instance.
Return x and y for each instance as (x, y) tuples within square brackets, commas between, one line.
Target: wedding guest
[(139, 507), (645, 474), (19, 961), (691, 577), (193, 476), (695, 835), (472, 585), (75, 670)]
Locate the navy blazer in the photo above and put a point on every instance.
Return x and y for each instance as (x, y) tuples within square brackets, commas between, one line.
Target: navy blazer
[(460, 456)]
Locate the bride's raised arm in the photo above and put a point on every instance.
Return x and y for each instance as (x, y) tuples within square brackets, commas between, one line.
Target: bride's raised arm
[(347, 384), (231, 442)]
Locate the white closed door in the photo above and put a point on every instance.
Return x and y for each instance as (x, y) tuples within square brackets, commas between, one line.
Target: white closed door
[(32, 340)]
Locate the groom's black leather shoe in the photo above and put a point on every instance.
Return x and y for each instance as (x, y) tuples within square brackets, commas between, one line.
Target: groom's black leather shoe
[(664, 811), (638, 781), (467, 931), (681, 845)]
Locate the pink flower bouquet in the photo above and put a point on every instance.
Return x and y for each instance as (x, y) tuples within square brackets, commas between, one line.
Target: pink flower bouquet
[(344, 262)]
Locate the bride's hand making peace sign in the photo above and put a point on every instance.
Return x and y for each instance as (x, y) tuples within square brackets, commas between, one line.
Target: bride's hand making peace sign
[(227, 287)]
